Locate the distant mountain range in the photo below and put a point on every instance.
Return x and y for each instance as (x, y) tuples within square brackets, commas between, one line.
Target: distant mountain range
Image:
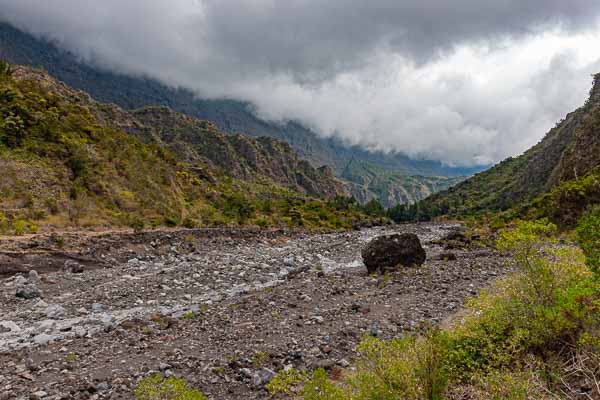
[(233, 117)]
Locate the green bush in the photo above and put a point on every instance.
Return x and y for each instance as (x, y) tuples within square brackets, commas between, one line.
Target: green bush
[(154, 387), (588, 237), (20, 227)]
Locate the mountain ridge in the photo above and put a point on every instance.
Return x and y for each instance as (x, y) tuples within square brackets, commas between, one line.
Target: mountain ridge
[(230, 116)]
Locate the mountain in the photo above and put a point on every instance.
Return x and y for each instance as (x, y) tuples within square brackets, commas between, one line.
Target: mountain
[(368, 182), (68, 160), (561, 169), (230, 116)]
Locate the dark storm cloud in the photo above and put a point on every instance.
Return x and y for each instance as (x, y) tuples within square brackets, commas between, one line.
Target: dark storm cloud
[(463, 81)]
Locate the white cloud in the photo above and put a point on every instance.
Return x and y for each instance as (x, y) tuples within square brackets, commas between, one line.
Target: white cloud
[(465, 82)]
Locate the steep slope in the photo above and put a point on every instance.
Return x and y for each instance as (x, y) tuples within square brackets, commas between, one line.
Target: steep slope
[(570, 151), (229, 115), (367, 182), (196, 141), (67, 160), (239, 156)]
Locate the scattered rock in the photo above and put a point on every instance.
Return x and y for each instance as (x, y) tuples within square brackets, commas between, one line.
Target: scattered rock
[(43, 339), (9, 326), (20, 280), (343, 363), (164, 366), (55, 311), (28, 292), (103, 387), (73, 267), (389, 252), (263, 376), (34, 277), (98, 308)]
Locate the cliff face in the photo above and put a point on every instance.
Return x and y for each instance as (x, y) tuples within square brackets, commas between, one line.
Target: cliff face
[(367, 182), (583, 154)]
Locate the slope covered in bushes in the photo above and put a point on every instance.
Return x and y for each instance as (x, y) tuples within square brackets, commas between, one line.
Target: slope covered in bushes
[(65, 162)]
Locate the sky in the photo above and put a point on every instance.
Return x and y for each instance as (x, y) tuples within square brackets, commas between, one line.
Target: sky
[(465, 82)]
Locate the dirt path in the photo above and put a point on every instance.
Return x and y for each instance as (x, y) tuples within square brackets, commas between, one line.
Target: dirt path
[(223, 311)]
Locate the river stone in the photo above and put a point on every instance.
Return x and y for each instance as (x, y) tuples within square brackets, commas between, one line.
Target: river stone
[(389, 252), (55, 311), (263, 376), (43, 339), (28, 292), (34, 277)]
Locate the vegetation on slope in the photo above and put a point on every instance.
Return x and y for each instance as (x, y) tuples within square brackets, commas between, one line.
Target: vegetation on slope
[(555, 178), (63, 165), (535, 334)]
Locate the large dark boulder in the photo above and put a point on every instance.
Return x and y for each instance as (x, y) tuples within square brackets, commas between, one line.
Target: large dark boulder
[(389, 252)]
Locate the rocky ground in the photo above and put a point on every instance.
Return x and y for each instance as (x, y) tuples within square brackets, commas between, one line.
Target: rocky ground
[(224, 309)]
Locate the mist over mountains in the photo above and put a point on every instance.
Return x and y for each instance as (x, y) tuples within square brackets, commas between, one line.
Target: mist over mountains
[(466, 84)]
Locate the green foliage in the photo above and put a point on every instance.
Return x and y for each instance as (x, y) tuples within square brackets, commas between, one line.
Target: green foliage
[(5, 70), (567, 202), (588, 237), (154, 387), (373, 208), (136, 223), (64, 166), (320, 388), (238, 207), (287, 382), (513, 342)]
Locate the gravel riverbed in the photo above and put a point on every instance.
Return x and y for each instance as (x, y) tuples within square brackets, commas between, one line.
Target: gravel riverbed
[(224, 311)]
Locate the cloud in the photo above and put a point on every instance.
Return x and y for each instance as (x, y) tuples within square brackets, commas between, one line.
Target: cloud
[(465, 82)]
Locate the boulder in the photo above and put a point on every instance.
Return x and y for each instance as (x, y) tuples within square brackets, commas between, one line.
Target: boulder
[(389, 252), (28, 292)]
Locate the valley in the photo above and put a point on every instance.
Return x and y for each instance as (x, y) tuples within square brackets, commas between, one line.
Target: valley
[(194, 209), (221, 308)]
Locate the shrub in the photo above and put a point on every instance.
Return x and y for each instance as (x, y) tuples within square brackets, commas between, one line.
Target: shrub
[(588, 237), (238, 206), (136, 223), (154, 387), (20, 227), (287, 382)]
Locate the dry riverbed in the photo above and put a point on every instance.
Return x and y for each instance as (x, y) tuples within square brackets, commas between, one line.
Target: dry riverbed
[(223, 309)]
